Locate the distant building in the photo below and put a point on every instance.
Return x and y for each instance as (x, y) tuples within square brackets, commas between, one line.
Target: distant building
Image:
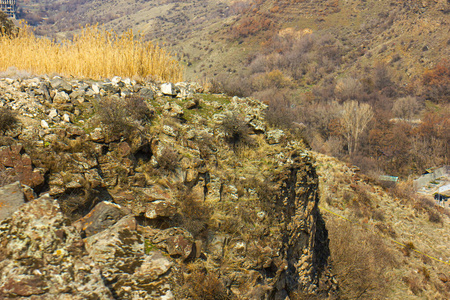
[(442, 196), (9, 7)]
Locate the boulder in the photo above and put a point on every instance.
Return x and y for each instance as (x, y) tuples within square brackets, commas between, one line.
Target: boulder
[(119, 251), (160, 208), (102, 216), (61, 85), (11, 198), (147, 94), (178, 242), (168, 89)]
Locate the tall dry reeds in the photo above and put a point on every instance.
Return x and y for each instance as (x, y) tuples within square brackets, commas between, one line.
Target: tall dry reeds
[(94, 53)]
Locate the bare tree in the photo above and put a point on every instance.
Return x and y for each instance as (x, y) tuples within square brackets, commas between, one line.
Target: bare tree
[(355, 118)]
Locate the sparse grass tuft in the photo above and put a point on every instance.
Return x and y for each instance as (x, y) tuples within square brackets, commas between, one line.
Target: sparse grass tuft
[(8, 120), (202, 285), (94, 53)]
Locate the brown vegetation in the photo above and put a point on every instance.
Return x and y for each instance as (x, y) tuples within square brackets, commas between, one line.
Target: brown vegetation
[(356, 257), (8, 119)]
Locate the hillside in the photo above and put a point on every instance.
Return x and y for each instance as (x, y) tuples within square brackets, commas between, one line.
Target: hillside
[(151, 189), (214, 37), (132, 187)]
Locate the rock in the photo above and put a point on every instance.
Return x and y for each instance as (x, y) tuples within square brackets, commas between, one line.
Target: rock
[(173, 110), (11, 198), (66, 118), (97, 135), (147, 94), (78, 95), (154, 265), (160, 208), (110, 88), (95, 88), (45, 91), (53, 114), (168, 89), (21, 165), (61, 85), (116, 80), (169, 130), (101, 217), (61, 98), (119, 251), (191, 104), (44, 124), (43, 258), (275, 136), (176, 241)]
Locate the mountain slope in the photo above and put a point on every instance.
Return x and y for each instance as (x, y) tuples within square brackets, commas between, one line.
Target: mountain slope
[(215, 37)]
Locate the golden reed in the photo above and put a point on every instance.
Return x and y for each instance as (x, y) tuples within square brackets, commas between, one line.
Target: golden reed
[(94, 53)]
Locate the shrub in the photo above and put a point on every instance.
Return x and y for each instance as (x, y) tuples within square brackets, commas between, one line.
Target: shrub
[(8, 119), (138, 108), (6, 26), (236, 130), (168, 160), (436, 82), (195, 214), (356, 255), (434, 217), (406, 107), (114, 115)]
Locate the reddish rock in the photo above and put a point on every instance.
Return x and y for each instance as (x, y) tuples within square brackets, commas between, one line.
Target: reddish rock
[(102, 216), (23, 285), (22, 168), (176, 241), (11, 198)]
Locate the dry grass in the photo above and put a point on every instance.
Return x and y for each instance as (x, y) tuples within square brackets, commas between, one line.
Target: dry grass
[(94, 53)]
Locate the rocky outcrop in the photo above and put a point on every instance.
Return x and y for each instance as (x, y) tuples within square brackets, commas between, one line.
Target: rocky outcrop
[(42, 257), (173, 199)]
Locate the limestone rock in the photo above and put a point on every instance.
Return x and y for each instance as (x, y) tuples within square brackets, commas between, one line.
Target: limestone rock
[(275, 136), (11, 198), (168, 89), (160, 208), (102, 216), (43, 257), (61, 98), (61, 85)]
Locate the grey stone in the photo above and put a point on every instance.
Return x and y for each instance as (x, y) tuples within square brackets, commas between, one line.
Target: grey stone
[(11, 198), (61, 85)]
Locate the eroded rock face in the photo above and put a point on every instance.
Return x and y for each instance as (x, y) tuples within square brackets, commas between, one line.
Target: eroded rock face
[(138, 217)]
